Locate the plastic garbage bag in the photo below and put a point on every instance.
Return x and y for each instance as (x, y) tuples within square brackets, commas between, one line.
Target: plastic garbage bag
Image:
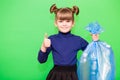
[(97, 60)]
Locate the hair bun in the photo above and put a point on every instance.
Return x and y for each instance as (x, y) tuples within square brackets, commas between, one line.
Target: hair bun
[(75, 10), (53, 8)]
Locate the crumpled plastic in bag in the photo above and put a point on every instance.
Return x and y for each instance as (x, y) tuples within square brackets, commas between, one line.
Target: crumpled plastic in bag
[(97, 60)]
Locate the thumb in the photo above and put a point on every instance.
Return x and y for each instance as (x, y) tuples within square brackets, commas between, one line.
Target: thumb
[(46, 36)]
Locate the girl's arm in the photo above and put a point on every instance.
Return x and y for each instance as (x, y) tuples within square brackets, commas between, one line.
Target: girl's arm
[(42, 56), (45, 50)]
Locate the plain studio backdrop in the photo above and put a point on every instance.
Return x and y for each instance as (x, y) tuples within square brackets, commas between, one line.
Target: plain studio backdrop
[(24, 22)]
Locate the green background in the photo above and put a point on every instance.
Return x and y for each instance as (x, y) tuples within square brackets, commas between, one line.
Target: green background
[(24, 22)]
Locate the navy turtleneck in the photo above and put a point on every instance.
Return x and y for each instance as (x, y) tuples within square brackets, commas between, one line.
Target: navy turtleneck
[(64, 47)]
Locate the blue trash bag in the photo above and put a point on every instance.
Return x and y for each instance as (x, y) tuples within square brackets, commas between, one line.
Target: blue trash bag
[(97, 61)]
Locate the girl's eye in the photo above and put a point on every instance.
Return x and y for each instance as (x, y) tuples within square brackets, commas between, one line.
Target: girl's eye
[(60, 21), (68, 21)]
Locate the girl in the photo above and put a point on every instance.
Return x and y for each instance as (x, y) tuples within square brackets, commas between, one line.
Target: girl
[(64, 45)]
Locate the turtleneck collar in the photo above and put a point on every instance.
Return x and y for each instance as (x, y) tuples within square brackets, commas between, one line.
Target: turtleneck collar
[(68, 34)]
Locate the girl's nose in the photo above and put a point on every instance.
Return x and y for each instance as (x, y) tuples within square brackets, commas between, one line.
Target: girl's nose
[(64, 23)]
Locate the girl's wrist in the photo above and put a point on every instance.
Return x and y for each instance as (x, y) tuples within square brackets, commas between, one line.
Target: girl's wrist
[(43, 48)]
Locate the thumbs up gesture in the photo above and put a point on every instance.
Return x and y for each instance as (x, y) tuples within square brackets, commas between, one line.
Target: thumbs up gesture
[(46, 43)]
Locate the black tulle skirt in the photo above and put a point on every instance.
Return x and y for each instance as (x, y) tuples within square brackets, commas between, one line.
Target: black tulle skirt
[(63, 73)]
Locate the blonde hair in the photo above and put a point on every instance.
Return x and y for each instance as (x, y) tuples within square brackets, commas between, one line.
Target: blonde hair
[(64, 13)]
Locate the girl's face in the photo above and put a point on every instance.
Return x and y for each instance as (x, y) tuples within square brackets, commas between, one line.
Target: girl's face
[(64, 25)]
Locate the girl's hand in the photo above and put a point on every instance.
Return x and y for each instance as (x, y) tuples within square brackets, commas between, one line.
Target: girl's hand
[(95, 37), (46, 43)]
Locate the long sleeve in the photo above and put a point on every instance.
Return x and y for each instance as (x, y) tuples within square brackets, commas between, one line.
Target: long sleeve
[(64, 47), (83, 44), (42, 57)]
